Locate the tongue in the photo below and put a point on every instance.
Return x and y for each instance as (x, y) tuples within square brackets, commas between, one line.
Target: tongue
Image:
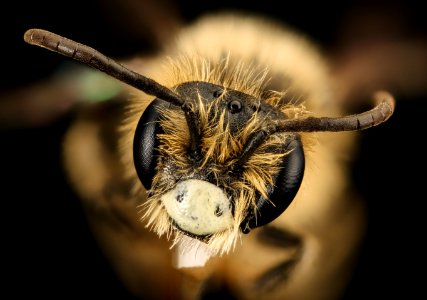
[(191, 253)]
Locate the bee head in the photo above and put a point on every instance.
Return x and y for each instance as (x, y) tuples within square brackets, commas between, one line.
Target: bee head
[(217, 169)]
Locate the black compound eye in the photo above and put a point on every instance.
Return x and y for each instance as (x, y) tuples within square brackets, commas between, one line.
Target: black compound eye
[(235, 106), (145, 143), (286, 186)]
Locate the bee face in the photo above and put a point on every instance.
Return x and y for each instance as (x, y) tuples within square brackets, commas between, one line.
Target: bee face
[(227, 180)]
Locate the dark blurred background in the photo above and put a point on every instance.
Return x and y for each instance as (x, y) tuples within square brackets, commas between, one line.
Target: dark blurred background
[(47, 248)]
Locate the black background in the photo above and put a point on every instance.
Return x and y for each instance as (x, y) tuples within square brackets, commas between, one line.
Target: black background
[(47, 248)]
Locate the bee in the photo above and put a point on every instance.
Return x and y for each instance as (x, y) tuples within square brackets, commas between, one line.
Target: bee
[(233, 151)]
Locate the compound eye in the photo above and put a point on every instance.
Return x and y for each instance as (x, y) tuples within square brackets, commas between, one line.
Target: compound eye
[(281, 194), (146, 143), (234, 106)]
